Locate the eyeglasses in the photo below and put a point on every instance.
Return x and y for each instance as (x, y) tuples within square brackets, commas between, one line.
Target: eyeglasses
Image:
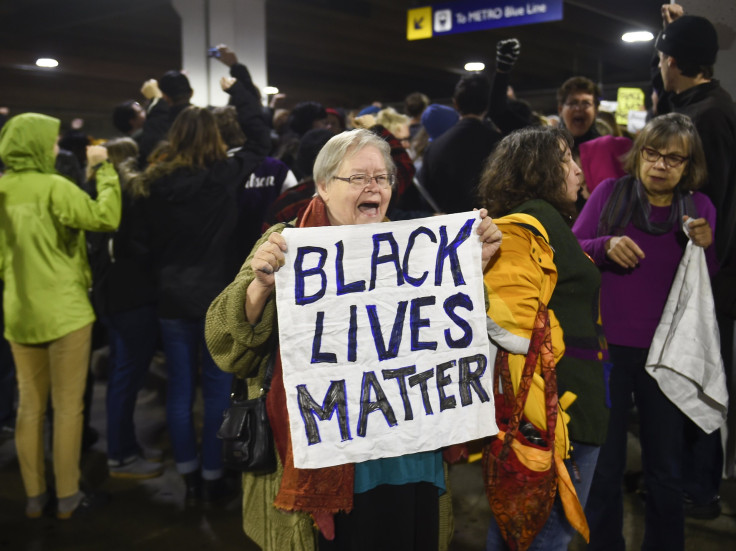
[(578, 104), (364, 180), (670, 160)]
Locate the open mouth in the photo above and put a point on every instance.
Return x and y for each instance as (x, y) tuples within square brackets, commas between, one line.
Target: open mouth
[(369, 208)]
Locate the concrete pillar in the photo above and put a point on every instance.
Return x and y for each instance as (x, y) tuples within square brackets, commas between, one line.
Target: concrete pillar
[(723, 16), (241, 24)]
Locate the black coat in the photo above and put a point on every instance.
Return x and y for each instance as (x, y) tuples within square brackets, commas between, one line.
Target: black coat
[(191, 215), (712, 111), (453, 164)]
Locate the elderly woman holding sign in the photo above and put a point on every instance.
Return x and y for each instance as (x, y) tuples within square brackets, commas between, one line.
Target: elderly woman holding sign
[(353, 504)]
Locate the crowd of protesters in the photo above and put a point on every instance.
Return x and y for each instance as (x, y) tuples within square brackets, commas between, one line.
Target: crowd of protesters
[(141, 234)]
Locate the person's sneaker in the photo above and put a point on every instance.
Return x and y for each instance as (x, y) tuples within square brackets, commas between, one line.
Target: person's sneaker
[(702, 511), (134, 467), (36, 505), (88, 503)]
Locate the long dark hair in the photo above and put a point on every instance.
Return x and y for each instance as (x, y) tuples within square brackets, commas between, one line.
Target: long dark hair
[(527, 164), (194, 142)]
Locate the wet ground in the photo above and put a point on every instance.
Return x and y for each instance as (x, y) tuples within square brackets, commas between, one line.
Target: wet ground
[(150, 515)]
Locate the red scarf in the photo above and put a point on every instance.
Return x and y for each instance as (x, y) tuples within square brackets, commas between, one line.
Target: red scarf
[(320, 492)]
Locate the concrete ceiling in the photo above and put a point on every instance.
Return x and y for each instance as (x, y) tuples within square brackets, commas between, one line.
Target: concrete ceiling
[(341, 52)]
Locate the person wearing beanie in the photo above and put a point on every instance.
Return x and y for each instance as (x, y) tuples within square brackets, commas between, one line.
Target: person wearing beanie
[(438, 119), (168, 97), (175, 87), (370, 110), (335, 119), (688, 47), (306, 116)]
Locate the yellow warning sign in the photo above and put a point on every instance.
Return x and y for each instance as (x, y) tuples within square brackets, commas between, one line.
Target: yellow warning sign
[(419, 23), (629, 99)]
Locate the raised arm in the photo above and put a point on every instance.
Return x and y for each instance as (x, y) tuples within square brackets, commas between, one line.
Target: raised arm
[(242, 318), (74, 208)]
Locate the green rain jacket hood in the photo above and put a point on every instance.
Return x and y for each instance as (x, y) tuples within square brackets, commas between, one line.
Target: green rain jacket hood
[(27, 143), (43, 257)]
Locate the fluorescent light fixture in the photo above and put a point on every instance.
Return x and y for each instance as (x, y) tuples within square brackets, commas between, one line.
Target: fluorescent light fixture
[(47, 62), (270, 90), (637, 36), (475, 66)]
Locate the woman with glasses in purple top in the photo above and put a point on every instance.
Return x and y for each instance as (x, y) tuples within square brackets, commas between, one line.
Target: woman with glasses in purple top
[(633, 229)]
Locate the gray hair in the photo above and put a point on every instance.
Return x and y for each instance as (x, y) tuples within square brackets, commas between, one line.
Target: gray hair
[(343, 146)]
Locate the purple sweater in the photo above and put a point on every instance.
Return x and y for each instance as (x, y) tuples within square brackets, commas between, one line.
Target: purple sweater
[(632, 300)]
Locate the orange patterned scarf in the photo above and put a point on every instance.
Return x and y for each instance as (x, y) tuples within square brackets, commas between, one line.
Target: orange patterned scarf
[(320, 492)]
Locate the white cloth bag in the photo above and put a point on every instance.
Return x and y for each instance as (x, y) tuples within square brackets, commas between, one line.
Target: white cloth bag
[(685, 356)]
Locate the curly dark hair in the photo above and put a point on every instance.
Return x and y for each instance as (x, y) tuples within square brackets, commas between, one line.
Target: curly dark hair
[(527, 164)]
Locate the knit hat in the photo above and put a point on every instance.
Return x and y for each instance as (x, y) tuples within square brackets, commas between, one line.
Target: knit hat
[(338, 112), (691, 38), (174, 84), (304, 115), (438, 119), (370, 110)]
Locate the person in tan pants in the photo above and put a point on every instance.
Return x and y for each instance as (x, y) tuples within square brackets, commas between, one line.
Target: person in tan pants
[(47, 313)]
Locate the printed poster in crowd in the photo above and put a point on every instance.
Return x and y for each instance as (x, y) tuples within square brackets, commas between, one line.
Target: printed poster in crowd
[(383, 339)]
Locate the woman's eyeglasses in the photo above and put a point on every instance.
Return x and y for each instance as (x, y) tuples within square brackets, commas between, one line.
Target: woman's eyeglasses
[(670, 160), (364, 180), (579, 104)]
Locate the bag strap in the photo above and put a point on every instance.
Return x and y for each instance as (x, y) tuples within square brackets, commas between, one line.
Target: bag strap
[(239, 388), (549, 375), (540, 343)]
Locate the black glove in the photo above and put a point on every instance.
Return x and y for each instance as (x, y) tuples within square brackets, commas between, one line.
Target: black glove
[(507, 52)]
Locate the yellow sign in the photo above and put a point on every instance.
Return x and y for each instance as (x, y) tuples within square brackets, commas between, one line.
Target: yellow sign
[(629, 99), (419, 23)]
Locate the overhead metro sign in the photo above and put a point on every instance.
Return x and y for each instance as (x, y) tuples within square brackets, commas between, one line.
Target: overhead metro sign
[(478, 15)]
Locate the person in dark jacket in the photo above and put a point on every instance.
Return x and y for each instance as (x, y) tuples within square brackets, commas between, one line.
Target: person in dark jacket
[(687, 48), (190, 213), (453, 162), (168, 97), (123, 295), (258, 191)]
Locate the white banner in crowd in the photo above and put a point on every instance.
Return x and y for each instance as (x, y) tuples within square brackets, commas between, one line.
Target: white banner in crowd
[(383, 339)]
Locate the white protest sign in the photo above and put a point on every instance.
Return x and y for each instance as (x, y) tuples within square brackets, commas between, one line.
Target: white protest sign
[(383, 339)]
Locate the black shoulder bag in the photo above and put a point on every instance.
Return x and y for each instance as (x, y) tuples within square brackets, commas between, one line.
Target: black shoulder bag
[(246, 433)]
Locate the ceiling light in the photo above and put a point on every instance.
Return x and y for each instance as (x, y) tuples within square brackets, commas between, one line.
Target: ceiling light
[(46, 62), (270, 90), (637, 36), (475, 66)]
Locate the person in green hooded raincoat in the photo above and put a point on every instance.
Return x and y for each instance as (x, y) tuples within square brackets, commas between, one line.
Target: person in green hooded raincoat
[(47, 312)]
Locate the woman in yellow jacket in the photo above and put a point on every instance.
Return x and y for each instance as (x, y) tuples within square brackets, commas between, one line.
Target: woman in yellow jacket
[(532, 179), (47, 313)]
